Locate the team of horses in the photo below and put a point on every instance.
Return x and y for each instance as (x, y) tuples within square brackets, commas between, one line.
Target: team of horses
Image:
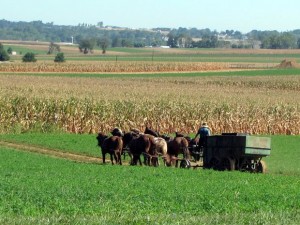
[(149, 144)]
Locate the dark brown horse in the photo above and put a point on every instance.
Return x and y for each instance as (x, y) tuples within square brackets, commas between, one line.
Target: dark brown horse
[(127, 138), (138, 145), (178, 134), (112, 145), (150, 131), (179, 145)]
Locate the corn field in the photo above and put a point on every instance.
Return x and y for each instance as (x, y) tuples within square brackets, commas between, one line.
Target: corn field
[(256, 105), (91, 67)]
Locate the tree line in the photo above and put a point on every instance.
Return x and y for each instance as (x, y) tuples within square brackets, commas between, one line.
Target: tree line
[(88, 36)]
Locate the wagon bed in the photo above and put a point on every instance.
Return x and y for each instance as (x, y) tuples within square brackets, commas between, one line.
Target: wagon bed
[(236, 151)]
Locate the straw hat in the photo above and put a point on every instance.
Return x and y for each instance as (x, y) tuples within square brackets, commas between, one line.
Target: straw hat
[(204, 124)]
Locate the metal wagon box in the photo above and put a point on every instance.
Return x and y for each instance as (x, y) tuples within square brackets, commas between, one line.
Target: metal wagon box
[(235, 150)]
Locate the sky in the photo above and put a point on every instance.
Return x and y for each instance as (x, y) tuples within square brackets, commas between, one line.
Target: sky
[(219, 15)]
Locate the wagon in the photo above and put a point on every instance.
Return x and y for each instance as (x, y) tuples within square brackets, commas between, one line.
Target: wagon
[(236, 151)]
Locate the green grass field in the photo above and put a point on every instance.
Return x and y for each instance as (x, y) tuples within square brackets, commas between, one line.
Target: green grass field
[(266, 72), (37, 189), (82, 144), (19, 49), (229, 58), (186, 58)]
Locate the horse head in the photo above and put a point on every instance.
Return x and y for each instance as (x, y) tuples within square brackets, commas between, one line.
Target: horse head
[(101, 137), (152, 132)]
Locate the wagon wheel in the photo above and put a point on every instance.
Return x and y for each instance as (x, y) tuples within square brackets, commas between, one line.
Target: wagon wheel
[(261, 167), (228, 164), (232, 164)]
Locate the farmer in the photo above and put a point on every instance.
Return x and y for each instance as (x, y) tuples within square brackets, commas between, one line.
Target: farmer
[(203, 131)]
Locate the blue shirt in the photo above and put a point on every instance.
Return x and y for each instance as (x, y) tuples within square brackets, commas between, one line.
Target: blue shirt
[(204, 131)]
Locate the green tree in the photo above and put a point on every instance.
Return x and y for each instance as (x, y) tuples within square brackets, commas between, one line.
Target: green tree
[(103, 43), (279, 41), (59, 57), (3, 54), (52, 48), (126, 42), (208, 41), (116, 42), (100, 24), (87, 45), (9, 50), (287, 40), (171, 41), (29, 57)]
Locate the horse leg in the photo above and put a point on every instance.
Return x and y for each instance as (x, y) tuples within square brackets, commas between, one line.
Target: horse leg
[(134, 160), (154, 161), (145, 160), (148, 161), (131, 158), (187, 153), (116, 156), (124, 154), (157, 161), (111, 159), (176, 162), (168, 160), (140, 161), (119, 155), (103, 158)]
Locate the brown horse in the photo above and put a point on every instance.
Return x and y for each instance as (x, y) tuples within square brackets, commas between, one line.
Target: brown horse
[(179, 145), (127, 138), (112, 145), (194, 149), (138, 145)]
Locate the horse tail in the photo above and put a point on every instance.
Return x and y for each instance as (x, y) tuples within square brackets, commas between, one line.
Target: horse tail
[(185, 146)]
